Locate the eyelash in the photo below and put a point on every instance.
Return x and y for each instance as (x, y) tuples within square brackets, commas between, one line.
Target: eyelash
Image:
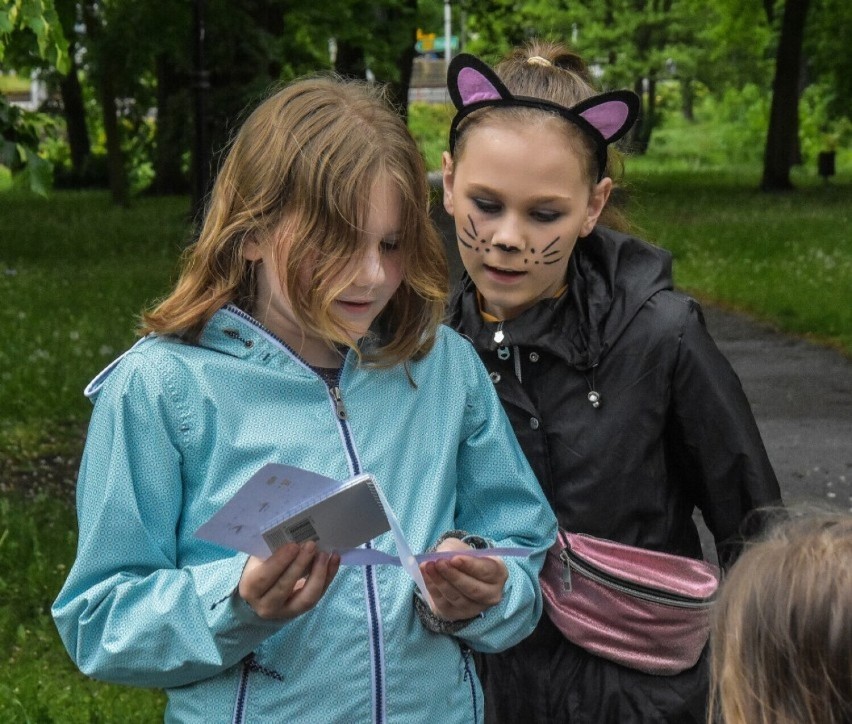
[(491, 207), (389, 245), (487, 207)]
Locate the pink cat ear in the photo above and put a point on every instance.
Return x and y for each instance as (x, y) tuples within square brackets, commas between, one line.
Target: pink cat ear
[(612, 114), (469, 81), (473, 87)]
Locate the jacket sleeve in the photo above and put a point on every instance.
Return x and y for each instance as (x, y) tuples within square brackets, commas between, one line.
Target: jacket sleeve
[(500, 500), (131, 611), (721, 444)]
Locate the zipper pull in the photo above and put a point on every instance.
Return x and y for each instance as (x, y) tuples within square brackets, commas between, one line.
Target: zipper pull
[(339, 407), (566, 571), (498, 335)]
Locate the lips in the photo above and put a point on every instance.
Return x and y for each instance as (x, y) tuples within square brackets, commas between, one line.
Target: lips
[(503, 274), (355, 304)]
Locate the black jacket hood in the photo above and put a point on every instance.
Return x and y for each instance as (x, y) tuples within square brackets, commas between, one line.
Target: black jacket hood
[(610, 276)]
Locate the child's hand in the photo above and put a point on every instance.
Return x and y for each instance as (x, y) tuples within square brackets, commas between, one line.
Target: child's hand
[(288, 583), (463, 586)]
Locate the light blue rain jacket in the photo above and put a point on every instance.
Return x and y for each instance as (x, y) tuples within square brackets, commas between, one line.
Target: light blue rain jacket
[(175, 431)]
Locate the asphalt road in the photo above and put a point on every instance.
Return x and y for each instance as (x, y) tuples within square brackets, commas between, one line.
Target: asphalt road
[(801, 394)]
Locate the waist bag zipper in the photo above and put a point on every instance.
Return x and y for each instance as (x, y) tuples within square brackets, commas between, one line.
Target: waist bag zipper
[(646, 593)]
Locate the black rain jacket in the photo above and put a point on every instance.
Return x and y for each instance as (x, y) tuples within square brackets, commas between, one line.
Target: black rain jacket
[(672, 432)]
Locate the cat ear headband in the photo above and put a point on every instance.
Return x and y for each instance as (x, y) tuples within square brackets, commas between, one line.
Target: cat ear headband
[(605, 117)]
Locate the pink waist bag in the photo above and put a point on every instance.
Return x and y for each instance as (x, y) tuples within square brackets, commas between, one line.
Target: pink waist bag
[(643, 609)]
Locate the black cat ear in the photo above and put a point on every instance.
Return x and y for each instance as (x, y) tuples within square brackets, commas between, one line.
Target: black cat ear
[(611, 114), (470, 81)]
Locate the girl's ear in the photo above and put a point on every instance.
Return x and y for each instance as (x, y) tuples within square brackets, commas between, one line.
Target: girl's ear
[(448, 178), (251, 251), (597, 200)]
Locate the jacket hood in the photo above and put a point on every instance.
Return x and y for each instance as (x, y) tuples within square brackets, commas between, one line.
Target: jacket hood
[(610, 276)]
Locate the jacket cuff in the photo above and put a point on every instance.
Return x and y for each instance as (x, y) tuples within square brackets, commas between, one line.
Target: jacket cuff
[(428, 618), (474, 541)]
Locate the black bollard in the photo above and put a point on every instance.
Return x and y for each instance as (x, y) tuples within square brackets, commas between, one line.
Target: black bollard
[(825, 164)]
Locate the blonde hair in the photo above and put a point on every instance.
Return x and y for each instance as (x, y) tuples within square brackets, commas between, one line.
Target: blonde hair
[(308, 157), (550, 71), (781, 640)]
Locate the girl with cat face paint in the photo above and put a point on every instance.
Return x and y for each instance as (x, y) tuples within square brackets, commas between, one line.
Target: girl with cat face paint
[(630, 416)]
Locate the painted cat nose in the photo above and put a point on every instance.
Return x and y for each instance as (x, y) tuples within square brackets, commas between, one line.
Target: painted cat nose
[(508, 236)]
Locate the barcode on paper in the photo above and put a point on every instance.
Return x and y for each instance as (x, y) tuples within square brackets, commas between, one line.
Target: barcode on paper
[(297, 533)]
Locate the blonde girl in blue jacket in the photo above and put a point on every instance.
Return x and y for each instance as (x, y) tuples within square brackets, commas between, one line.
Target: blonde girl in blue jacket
[(304, 329)]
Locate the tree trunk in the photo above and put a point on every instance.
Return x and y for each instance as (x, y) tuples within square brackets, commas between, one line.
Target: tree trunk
[(350, 61), (399, 91), (105, 86), (170, 140), (782, 136), (74, 112), (640, 135), (118, 185), (405, 64)]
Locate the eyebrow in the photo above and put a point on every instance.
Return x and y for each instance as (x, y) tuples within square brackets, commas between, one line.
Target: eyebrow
[(483, 188)]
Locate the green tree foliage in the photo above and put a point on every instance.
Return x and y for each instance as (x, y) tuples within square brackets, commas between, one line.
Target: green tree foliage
[(34, 26), (828, 49), (131, 90), (39, 19), (630, 43), (700, 46)]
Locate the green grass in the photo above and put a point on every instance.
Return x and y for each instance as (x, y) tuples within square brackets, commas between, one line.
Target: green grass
[(38, 682), (784, 258), (78, 271), (429, 123)]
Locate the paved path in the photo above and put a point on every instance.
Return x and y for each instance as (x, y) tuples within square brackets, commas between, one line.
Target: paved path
[(801, 395)]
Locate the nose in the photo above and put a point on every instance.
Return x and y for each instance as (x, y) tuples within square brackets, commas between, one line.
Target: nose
[(370, 270), (508, 235)]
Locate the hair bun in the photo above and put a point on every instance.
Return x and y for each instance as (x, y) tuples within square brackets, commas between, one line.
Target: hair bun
[(571, 61)]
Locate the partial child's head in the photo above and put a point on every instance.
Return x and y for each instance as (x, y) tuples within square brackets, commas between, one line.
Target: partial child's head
[(292, 202), (528, 172), (782, 629), (551, 72)]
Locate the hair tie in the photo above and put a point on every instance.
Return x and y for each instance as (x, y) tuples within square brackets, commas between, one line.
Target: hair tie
[(538, 60)]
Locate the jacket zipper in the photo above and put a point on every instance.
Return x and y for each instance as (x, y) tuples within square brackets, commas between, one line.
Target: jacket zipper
[(374, 618), (377, 654), (469, 676), (646, 593), (337, 398), (242, 690)]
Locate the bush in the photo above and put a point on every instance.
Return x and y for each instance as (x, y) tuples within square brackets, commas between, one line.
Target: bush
[(429, 123)]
